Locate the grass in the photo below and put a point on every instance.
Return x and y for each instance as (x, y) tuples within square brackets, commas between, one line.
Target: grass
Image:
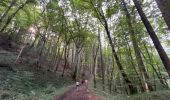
[(7, 58), (156, 95), (26, 83)]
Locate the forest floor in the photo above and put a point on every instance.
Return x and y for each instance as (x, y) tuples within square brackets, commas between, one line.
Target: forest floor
[(81, 92), (25, 82), (84, 93)]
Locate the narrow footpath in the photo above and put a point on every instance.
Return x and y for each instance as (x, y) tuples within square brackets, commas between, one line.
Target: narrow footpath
[(81, 92)]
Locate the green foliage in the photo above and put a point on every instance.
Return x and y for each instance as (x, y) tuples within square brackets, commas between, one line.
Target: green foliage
[(76, 22), (111, 11), (24, 82), (81, 4), (4, 3), (157, 95), (27, 17), (25, 85)]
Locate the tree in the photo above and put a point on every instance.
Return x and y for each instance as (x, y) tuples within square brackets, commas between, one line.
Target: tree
[(147, 86), (164, 57), (95, 52), (103, 21), (14, 13), (164, 6), (101, 60), (8, 9)]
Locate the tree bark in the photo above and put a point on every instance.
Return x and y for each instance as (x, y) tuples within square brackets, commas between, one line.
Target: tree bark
[(102, 62), (22, 48), (66, 54), (147, 86), (8, 9), (123, 73), (95, 52), (12, 16), (76, 63), (164, 6), (103, 21), (164, 57), (41, 51), (130, 56)]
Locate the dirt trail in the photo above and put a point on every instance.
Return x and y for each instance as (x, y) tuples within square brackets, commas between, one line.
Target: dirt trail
[(80, 93)]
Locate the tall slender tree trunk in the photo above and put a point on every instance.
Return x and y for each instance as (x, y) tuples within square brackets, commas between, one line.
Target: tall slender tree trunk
[(95, 52), (102, 61), (164, 6), (40, 54), (22, 48), (56, 51), (157, 44), (131, 87), (145, 77), (111, 75), (133, 64), (153, 67), (8, 9), (123, 73), (59, 59), (12, 16), (65, 59), (76, 63)]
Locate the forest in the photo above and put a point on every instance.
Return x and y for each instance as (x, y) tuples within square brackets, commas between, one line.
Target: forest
[(84, 49)]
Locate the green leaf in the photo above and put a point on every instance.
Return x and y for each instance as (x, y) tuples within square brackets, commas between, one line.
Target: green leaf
[(111, 11)]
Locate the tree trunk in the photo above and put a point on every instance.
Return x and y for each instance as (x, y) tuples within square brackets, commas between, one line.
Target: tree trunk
[(157, 44), (102, 61), (147, 86), (95, 52), (153, 67), (111, 75), (65, 59), (41, 52), (123, 73), (164, 6), (12, 16), (6, 12), (22, 48), (130, 56), (59, 59), (76, 63)]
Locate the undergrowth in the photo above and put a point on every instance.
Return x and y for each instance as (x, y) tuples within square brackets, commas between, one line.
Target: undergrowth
[(23, 82), (24, 85), (156, 95)]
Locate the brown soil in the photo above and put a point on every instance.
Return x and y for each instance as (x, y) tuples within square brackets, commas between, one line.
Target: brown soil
[(78, 93)]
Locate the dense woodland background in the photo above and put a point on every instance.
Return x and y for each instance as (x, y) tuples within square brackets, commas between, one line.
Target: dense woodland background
[(122, 46)]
